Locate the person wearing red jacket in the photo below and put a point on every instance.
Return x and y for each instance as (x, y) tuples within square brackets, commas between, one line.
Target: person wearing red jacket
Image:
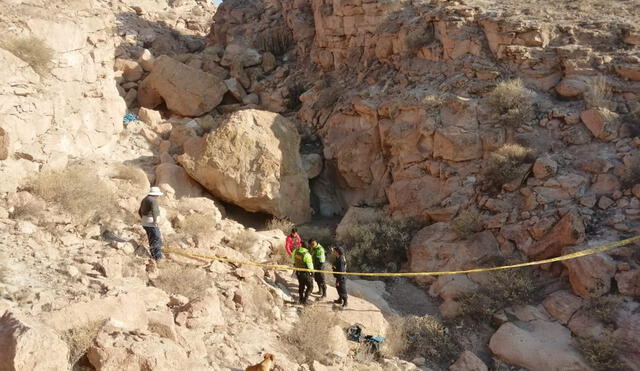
[(293, 241)]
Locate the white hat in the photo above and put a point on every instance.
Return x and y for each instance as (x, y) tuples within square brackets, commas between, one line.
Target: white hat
[(155, 191)]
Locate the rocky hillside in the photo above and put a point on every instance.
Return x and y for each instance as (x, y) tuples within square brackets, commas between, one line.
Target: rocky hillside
[(504, 132)]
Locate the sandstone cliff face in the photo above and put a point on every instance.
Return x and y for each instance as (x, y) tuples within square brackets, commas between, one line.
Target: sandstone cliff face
[(72, 108)]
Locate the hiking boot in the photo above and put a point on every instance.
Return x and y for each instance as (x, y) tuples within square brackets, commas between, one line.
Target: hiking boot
[(344, 305), (338, 301)]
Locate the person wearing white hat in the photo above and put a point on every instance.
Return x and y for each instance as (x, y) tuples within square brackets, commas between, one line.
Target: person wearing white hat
[(149, 211)]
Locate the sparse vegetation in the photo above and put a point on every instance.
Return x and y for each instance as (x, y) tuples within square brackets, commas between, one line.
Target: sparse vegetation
[(244, 240), (467, 223), (418, 38), (603, 308), (277, 40), (31, 210), (512, 103), (380, 245), (432, 102), (135, 178), (505, 288), (598, 94), (194, 224), (312, 333), (601, 354), (182, 279), (78, 190), (631, 173), (323, 234), (80, 339), (282, 224), (413, 336), (293, 101), (504, 165), (32, 50)]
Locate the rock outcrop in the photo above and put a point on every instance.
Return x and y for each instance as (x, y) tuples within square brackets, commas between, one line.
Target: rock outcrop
[(27, 345), (251, 159), (186, 91)]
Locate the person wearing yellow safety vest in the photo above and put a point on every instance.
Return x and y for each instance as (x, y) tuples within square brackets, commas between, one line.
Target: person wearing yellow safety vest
[(318, 255), (301, 258)]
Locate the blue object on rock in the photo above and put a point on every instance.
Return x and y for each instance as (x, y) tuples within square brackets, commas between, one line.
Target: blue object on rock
[(129, 117)]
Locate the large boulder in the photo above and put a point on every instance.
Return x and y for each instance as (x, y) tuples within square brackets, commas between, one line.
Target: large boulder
[(187, 91), (591, 275), (468, 362), (538, 345), (120, 350), (629, 283), (251, 160), (27, 345), (173, 180), (202, 312), (438, 248)]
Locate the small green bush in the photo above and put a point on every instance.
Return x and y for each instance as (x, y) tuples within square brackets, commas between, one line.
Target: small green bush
[(414, 336), (504, 165), (380, 245), (32, 50), (601, 354), (282, 224), (512, 103)]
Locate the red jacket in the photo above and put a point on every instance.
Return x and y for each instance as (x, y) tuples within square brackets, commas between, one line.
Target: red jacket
[(292, 243)]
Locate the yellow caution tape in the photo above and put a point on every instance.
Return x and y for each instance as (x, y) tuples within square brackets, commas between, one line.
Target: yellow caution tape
[(591, 251)]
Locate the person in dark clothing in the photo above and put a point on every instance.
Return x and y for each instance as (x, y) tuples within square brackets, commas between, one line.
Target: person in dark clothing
[(319, 258), (340, 265), (149, 211), (301, 258)]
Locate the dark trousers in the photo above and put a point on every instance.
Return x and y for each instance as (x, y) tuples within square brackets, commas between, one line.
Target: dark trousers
[(341, 286), (319, 278), (305, 286), (155, 241)]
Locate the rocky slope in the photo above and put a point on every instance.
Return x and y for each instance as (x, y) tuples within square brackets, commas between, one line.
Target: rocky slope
[(505, 135)]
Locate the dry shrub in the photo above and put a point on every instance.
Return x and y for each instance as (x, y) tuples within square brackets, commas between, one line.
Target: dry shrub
[(467, 223), (603, 308), (32, 50), (328, 97), (277, 40), (32, 210), (80, 339), (512, 103), (631, 173), (601, 354), (504, 165), (414, 336), (4, 270), (244, 240), (311, 335), (323, 234), (282, 224), (78, 190), (598, 94), (194, 224), (432, 102), (134, 177), (505, 288), (380, 245), (418, 38), (182, 280)]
